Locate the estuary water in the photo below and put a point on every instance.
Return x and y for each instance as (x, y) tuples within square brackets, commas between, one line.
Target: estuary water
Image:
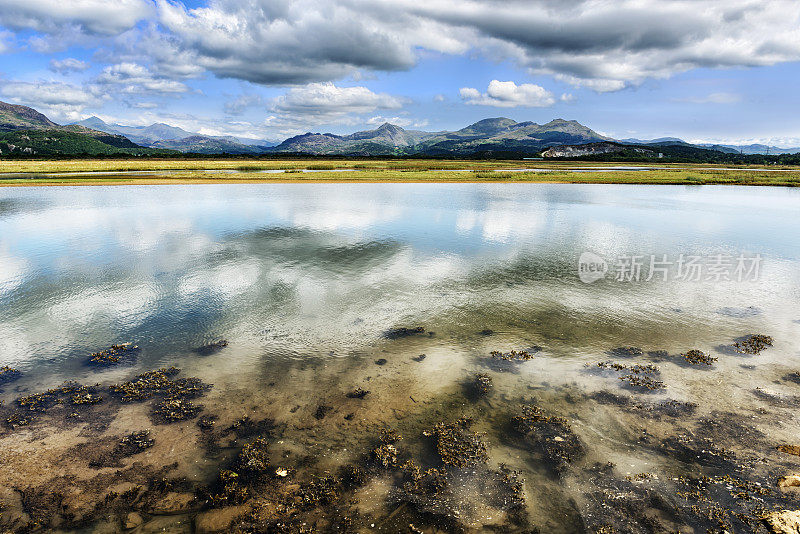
[(309, 283)]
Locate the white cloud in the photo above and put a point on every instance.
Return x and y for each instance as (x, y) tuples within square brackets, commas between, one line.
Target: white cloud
[(403, 122), (67, 65), (59, 101), (597, 44), (324, 103), (509, 95), (133, 78), (4, 38), (101, 17)]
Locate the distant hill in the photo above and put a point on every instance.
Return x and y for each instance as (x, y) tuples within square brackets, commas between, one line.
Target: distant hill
[(160, 135), (25, 131), (14, 117), (201, 144), (728, 149), (489, 135)]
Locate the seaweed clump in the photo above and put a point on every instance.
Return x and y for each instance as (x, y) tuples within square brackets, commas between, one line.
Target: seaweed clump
[(113, 355), (385, 454), (551, 435), (698, 357), (481, 385), (642, 382), (8, 374), (175, 404), (753, 344), (515, 355), (174, 409), (67, 395), (457, 446)]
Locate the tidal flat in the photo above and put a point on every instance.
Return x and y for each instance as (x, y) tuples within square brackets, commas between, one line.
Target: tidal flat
[(397, 358)]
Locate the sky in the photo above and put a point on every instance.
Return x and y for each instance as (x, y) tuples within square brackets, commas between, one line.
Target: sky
[(701, 70)]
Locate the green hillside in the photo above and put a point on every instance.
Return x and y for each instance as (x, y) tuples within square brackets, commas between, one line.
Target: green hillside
[(64, 142)]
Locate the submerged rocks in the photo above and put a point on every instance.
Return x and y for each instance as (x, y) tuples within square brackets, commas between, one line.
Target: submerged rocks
[(783, 522), (114, 355), (397, 333), (211, 348), (788, 481), (357, 393), (753, 344), (789, 449), (626, 352), (551, 435)]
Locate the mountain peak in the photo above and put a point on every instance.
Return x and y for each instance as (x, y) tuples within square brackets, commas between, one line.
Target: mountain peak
[(14, 117)]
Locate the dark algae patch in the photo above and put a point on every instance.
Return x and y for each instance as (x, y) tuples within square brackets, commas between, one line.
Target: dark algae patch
[(8, 374), (114, 355), (397, 333), (753, 344), (698, 357)]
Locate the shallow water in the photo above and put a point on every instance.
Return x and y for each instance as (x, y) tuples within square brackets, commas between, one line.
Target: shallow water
[(303, 281)]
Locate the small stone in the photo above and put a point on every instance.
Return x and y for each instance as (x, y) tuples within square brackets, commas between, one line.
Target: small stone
[(785, 522), (281, 472), (789, 481), (133, 520), (174, 503), (218, 520)]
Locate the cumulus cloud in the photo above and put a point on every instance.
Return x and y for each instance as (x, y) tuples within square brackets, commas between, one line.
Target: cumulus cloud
[(67, 65), (132, 78), (59, 101), (403, 122), (509, 95), (597, 44), (322, 103), (99, 17), (282, 42), (602, 45)]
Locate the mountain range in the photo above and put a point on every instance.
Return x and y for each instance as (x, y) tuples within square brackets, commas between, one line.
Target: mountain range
[(25, 131), (160, 135)]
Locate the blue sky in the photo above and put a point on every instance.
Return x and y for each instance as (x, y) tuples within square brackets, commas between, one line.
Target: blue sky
[(269, 69)]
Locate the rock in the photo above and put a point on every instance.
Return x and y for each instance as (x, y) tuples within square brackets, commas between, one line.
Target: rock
[(174, 503), (789, 481), (785, 522), (132, 521), (217, 520)]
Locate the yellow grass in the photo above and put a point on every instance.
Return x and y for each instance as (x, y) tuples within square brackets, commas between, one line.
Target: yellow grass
[(248, 171)]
